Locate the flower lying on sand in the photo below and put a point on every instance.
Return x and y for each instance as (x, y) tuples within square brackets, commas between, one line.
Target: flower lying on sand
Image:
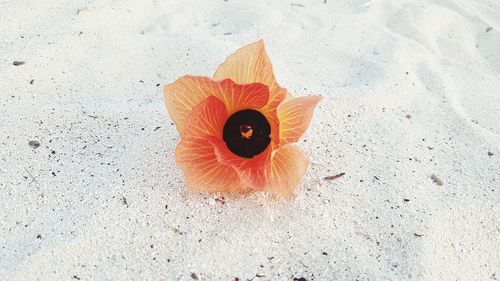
[(237, 129)]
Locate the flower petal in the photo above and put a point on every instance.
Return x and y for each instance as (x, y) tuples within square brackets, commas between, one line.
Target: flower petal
[(271, 114), (183, 95), (251, 171), (250, 64), (187, 92), (287, 167), (203, 172), (207, 119), (294, 117), (238, 97)]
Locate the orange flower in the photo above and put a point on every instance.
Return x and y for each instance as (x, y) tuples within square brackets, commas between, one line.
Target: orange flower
[(237, 129)]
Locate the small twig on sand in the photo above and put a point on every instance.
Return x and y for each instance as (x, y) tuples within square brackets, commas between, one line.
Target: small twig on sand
[(33, 179), (329, 178), (436, 180)]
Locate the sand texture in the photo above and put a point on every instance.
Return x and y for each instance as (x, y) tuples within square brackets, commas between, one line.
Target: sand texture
[(411, 115)]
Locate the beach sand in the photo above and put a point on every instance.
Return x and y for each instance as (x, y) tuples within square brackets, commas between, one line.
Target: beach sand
[(410, 114)]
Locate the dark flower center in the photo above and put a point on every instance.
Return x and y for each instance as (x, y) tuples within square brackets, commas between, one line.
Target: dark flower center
[(246, 133)]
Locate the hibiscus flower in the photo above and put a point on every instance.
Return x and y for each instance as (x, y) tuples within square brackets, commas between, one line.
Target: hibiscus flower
[(237, 129)]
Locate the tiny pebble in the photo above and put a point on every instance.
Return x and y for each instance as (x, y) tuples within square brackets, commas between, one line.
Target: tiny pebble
[(34, 144)]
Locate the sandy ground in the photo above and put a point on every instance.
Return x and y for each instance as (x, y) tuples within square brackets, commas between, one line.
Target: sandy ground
[(410, 114)]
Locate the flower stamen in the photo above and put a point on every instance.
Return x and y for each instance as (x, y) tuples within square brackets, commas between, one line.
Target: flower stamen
[(246, 131)]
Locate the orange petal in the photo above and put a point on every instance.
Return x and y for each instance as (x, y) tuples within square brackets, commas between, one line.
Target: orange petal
[(294, 117), (287, 167), (251, 171), (238, 97), (271, 114), (207, 119), (187, 92), (250, 64), (183, 95), (203, 172)]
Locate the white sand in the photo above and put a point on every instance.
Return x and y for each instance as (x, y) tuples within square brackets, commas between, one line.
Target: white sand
[(412, 89)]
